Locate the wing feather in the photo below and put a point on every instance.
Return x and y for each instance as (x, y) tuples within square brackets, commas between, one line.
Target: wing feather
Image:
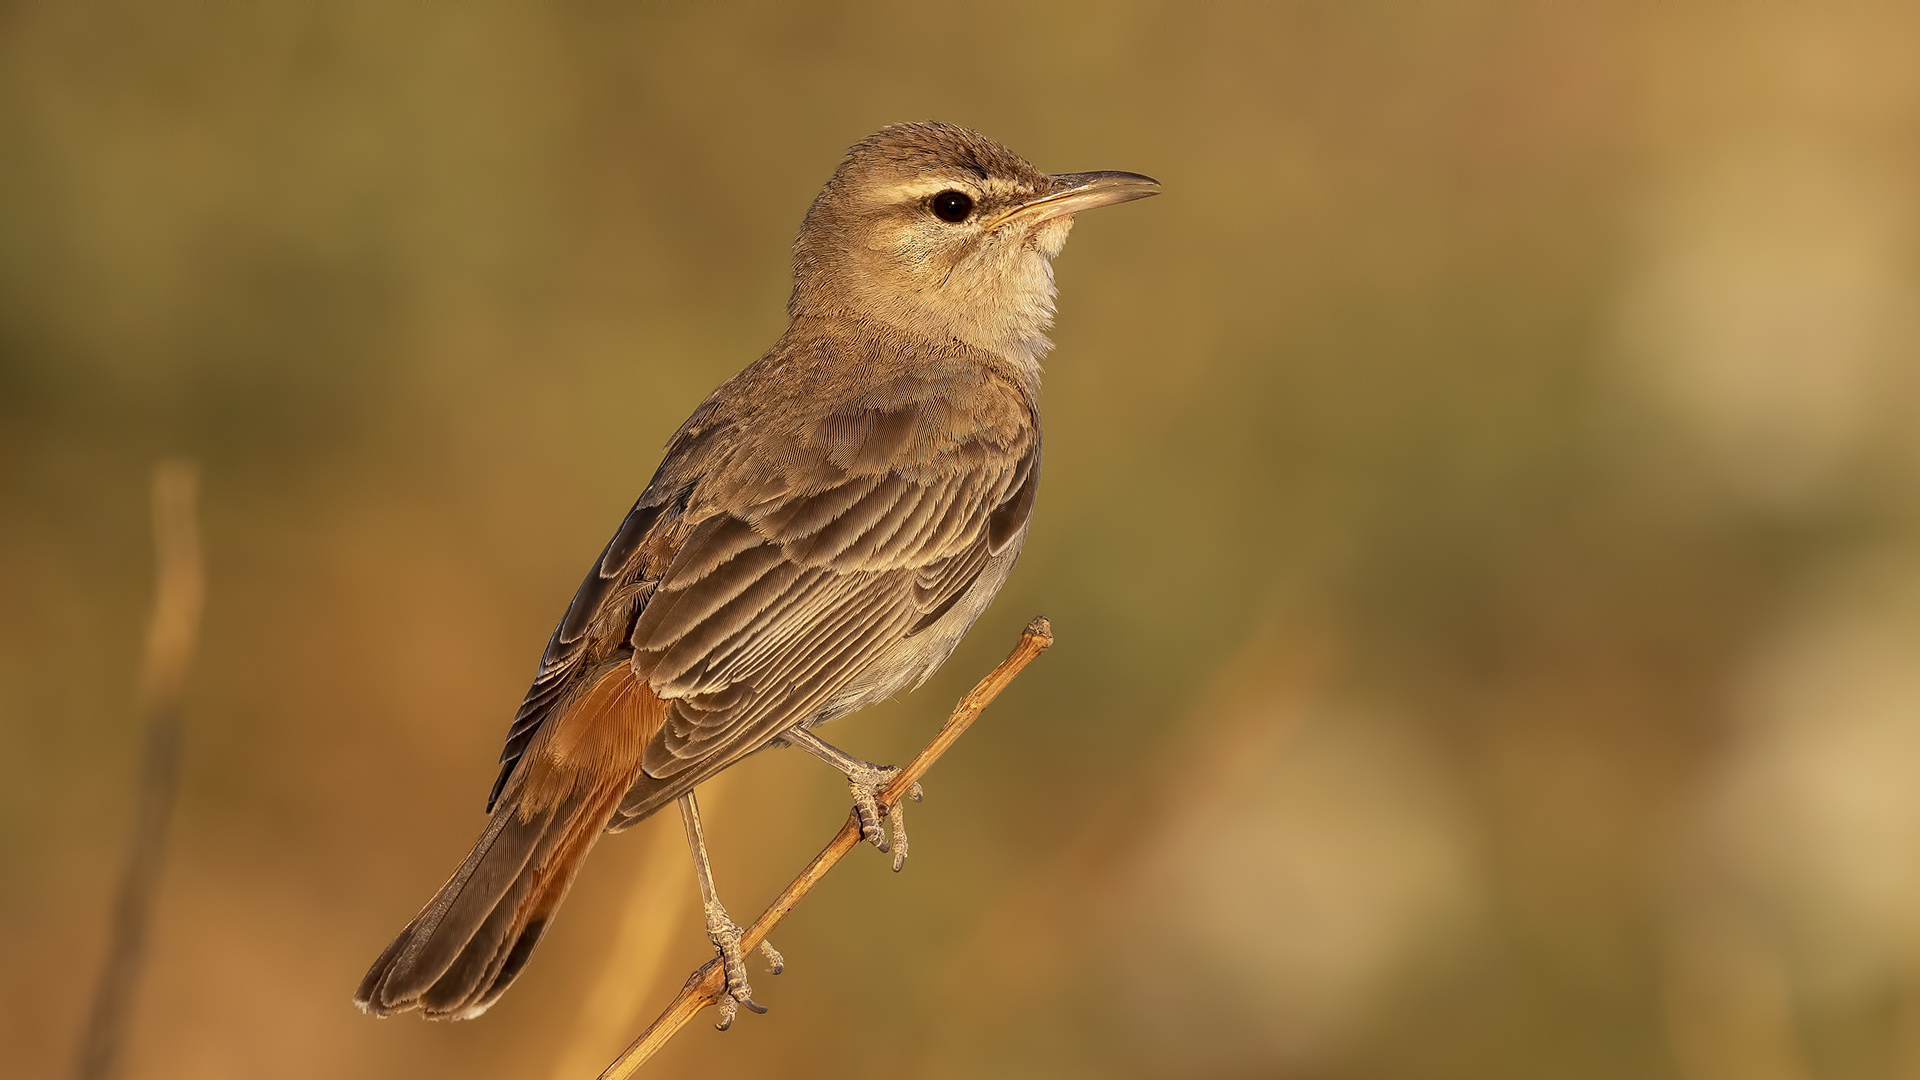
[(752, 583)]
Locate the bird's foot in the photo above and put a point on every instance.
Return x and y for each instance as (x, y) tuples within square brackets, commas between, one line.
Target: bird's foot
[(725, 935), (867, 781)]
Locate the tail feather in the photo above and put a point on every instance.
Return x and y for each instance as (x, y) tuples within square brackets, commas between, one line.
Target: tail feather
[(549, 889), (462, 951), (444, 955)]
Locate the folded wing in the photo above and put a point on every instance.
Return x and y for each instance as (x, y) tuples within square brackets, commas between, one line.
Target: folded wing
[(747, 612)]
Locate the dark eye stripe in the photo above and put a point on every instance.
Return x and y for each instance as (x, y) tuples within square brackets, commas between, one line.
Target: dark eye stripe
[(952, 207)]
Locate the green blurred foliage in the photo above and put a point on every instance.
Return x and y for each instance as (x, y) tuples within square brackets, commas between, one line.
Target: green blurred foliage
[(1478, 522)]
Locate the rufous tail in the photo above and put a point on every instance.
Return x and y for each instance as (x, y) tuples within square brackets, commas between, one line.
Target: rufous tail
[(466, 947)]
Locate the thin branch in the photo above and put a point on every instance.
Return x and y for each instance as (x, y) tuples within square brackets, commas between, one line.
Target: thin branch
[(171, 637), (704, 986)]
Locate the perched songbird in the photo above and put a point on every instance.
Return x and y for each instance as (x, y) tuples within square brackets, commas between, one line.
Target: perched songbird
[(823, 530)]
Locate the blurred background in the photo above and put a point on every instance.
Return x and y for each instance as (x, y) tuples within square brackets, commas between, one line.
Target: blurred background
[(1513, 672)]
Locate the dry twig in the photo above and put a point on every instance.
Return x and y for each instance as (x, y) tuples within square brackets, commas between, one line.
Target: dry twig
[(171, 637), (706, 984)]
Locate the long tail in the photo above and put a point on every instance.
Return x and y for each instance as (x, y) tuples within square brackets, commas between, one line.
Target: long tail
[(466, 947)]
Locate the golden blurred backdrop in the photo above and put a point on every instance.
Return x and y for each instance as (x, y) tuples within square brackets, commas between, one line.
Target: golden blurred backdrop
[(1480, 525)]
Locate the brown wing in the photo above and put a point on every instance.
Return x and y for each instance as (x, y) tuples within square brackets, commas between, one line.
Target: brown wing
[(770, 611), (747, 604)]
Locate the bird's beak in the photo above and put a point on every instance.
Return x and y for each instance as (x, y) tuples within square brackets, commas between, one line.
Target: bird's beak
[(1074, 192)]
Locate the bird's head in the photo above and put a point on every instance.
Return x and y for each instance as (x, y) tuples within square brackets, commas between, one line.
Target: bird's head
[(944, 233)]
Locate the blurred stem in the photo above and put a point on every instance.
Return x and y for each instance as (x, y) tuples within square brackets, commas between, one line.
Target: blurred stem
[(706, 984), (171, 636), (659, 891)]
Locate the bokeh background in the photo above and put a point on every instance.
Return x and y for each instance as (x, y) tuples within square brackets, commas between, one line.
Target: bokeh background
[(1479, 522)]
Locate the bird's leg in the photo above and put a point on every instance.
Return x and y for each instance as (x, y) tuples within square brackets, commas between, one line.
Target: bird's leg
[(721, 930), (867, 781)]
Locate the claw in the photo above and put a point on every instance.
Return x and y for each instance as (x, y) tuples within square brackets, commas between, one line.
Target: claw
[(725, 935), (867, 782), (898, 816), (871, 828), (729, 1006)]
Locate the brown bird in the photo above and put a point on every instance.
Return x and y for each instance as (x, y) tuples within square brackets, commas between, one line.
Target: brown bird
[(822, 531)]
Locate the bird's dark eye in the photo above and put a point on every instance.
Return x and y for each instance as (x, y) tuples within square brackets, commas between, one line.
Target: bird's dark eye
[(952, 206)]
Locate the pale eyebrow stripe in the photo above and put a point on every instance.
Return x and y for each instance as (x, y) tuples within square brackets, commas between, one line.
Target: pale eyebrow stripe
[(912, 190)]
